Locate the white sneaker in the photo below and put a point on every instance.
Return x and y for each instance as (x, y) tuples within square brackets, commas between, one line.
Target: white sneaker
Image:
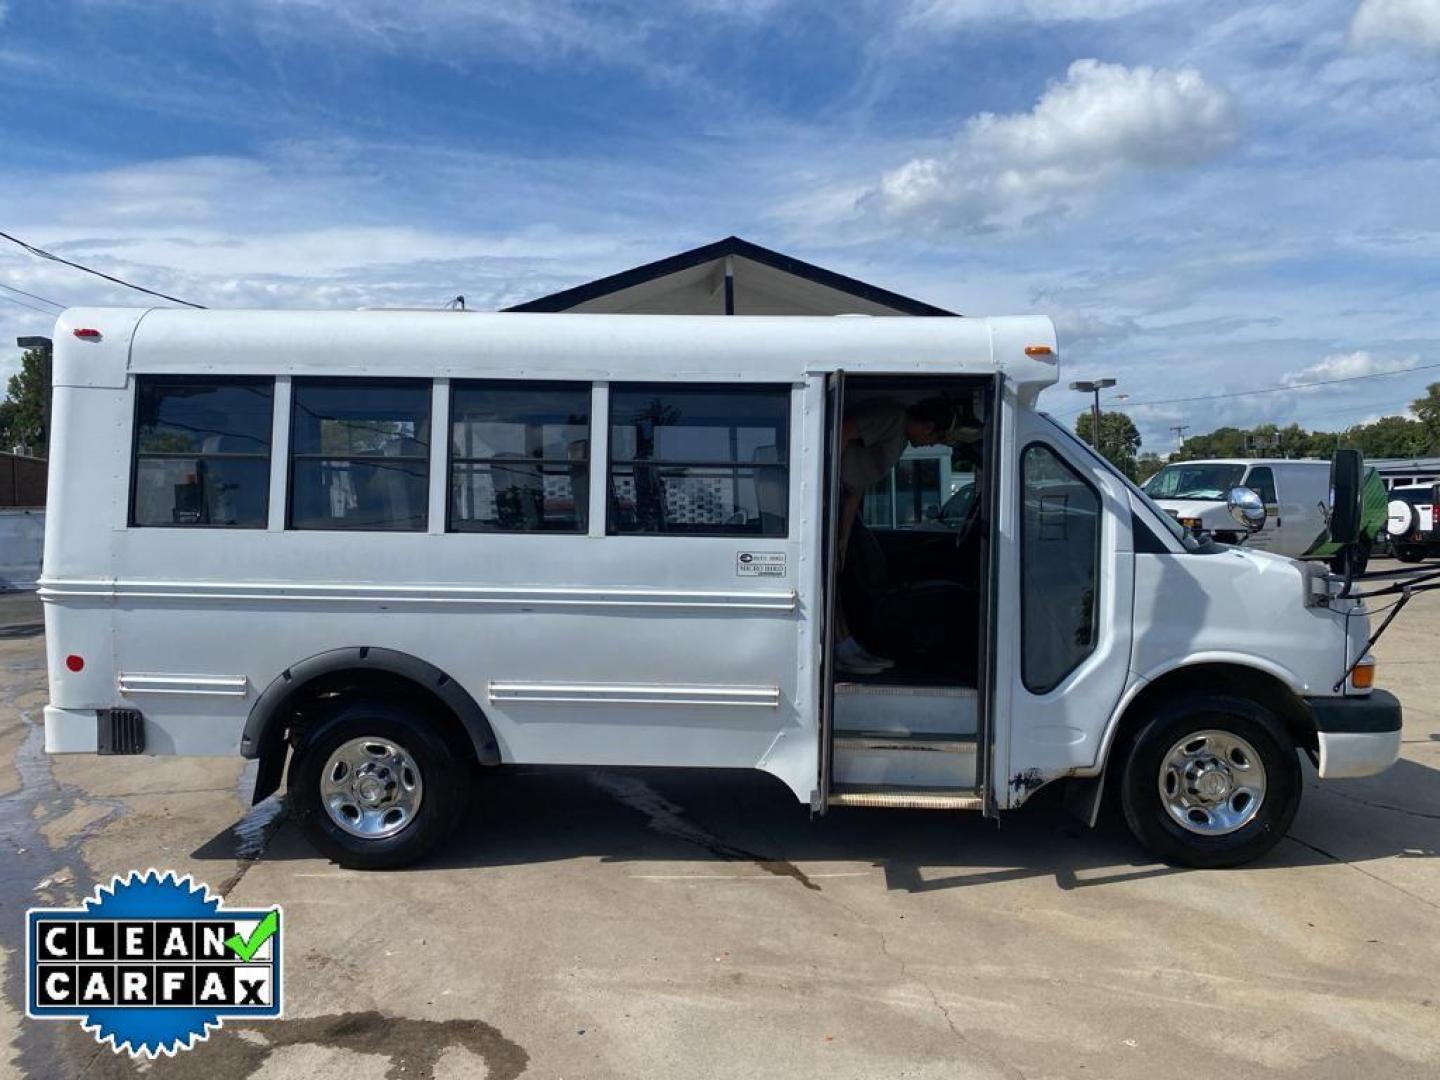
[(870, 658), (851, 659)]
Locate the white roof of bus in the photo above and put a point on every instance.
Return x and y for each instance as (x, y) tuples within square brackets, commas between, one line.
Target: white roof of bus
[(568, 345)]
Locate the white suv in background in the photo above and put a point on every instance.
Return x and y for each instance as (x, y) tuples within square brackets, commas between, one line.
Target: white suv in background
[(1411, 522)]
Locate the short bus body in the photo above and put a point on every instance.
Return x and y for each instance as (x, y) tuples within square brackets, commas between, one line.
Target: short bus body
[(383, 552)]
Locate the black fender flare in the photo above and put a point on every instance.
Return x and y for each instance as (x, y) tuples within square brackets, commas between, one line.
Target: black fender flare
[(264, 733)]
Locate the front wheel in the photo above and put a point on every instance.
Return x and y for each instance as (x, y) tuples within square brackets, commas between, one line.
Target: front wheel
[(1211, 781), (375, 785)]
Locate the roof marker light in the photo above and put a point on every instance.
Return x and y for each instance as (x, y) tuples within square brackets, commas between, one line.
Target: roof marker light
[(1039, 350), (87, 334)]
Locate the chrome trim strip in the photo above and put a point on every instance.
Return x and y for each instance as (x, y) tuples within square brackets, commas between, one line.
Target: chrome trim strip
[(762, 697), (131, 684), (221, 592)]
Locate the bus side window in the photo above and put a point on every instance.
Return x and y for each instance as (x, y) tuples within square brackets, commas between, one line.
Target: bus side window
[(201, 451), (360, 454), (1059, 568), (699, 460), (519, 456)]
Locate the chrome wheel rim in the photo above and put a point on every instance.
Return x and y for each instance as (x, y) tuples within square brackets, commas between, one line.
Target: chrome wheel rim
[(371, 788), (1212, 782)]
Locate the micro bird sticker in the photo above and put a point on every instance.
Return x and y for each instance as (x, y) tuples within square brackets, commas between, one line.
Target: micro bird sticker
[(151, 964)]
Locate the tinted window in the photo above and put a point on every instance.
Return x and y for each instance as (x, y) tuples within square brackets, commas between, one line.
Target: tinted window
[(1059, 563), (1417, 497), (707, 460), (202, 452), (878, 508), (1262, 481), (917, 487), (1191, 481), (519, 457), (359, 453)]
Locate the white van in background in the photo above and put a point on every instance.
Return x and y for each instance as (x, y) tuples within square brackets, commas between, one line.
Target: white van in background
[(1296, 495)]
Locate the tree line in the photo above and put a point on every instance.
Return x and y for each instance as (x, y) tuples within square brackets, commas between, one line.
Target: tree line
[(1387, 437), (25, 412)]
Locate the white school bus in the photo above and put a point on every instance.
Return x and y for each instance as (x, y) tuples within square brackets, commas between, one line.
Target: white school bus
[(385, 552)]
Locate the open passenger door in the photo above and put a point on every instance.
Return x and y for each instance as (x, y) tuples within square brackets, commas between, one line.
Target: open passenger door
[(830, 576), (906, 735)]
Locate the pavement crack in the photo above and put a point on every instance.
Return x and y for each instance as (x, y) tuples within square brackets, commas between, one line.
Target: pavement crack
[(1361, 870), (667, 819), (1007, 1069), (1383, 806)]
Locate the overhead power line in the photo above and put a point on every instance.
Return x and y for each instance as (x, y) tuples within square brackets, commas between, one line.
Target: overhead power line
[(1267, 389), (1281, 389), (32, 307), (42, 299), (42, 253)]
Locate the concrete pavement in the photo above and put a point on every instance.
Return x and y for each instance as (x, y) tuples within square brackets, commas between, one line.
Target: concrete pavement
[(630, 924)]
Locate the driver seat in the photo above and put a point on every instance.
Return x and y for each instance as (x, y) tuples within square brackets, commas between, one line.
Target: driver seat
[(929, 624)]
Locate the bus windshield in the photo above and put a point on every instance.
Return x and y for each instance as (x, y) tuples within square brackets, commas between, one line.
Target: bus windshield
[(1191, 480)]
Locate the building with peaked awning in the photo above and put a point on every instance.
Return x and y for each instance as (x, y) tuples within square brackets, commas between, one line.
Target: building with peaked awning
[(731, 277)]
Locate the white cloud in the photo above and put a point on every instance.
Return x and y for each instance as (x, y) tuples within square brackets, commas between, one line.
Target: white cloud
[(1349, 365), (955, 12), (1102, 121), (1412, 24)]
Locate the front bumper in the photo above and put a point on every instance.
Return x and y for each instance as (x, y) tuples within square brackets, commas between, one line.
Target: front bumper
[(1357, 736)]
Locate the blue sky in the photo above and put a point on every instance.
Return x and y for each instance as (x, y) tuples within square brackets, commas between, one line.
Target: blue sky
[(1206, 197)]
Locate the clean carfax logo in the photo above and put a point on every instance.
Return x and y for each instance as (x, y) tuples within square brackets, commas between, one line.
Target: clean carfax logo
[(150, 964)]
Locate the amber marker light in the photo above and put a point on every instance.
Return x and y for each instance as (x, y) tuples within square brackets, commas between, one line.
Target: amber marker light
[(1363, 677)]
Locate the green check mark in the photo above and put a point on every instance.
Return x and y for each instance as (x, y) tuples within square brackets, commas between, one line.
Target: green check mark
[(245, 948)]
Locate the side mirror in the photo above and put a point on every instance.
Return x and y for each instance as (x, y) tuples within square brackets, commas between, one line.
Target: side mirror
[(1347, 480), (1246, 507)]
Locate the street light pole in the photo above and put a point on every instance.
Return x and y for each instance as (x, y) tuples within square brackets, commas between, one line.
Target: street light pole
[(1094, 386)]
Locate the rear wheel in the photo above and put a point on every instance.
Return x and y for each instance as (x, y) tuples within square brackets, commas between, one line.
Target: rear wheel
[(376, 785), (1211, 781), (1407, 553)]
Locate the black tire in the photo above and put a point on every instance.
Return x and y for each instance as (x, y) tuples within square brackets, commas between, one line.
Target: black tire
[(1409, 553), (444, 770), (1172, 721)]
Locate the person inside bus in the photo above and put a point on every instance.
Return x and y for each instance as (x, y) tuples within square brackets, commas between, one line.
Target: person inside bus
[(873, 435)]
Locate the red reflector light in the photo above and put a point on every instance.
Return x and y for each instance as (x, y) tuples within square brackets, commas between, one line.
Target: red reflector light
[(88, 335), (75, 663)]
